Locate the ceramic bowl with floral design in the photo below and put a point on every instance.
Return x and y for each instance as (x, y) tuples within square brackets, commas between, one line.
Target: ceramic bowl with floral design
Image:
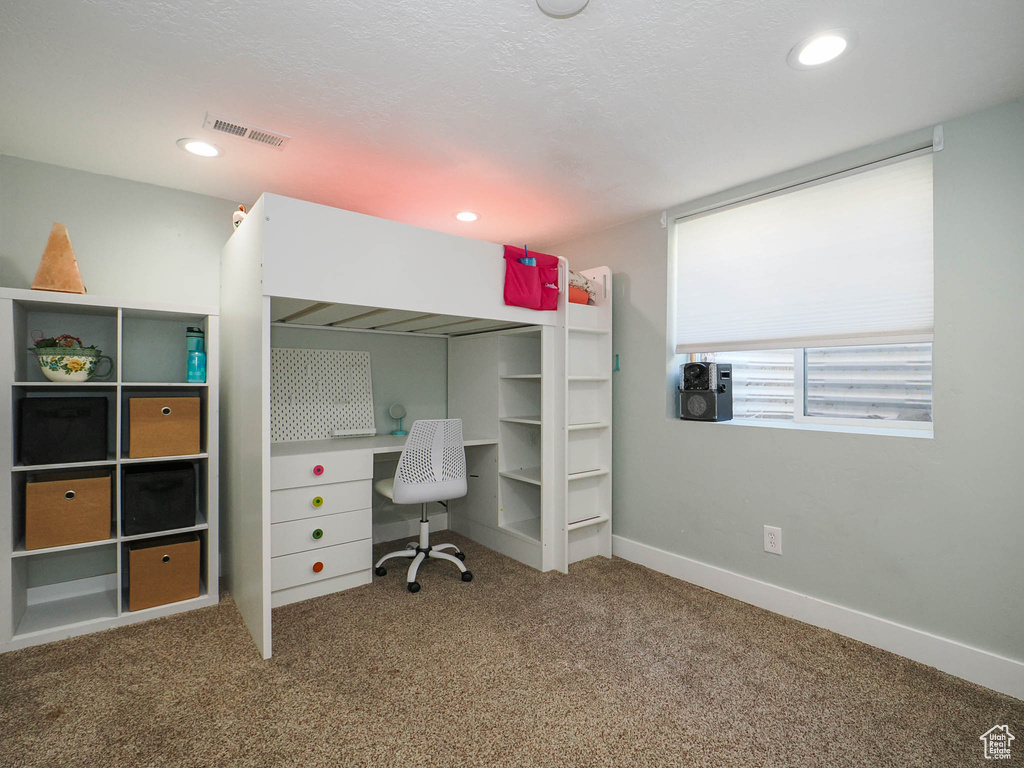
[(72, 364)]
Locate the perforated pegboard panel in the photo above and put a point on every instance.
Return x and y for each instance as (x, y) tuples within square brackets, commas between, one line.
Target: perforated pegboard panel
[(316, 392)]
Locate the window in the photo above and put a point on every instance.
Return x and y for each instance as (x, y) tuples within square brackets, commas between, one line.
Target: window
[(888, 384), (820, 296)]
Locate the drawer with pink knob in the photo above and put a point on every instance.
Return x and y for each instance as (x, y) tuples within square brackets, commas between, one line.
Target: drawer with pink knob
[(315, 500), (318, 532), (293, 471), (319, 564)]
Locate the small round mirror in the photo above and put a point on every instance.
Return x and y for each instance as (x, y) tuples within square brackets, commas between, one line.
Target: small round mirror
[(397, 412)]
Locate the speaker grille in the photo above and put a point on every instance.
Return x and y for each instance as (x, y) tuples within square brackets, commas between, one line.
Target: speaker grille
[(696, 405)]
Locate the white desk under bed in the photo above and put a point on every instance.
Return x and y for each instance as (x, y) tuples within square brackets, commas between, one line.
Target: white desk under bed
[(321, 507)]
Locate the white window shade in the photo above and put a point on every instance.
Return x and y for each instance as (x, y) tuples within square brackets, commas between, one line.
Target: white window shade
[(844, 261)]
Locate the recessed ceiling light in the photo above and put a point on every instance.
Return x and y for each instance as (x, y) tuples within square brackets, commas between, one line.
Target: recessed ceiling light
[(821, 49), (467, 216), (562, 8), (201, 148)]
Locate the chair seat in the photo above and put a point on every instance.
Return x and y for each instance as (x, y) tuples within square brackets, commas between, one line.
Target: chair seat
[(386, 487)]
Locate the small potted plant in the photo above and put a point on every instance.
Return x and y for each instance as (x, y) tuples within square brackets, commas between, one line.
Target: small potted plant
[(64, 359)]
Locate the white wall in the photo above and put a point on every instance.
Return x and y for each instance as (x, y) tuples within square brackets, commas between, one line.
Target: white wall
[(926, 533), (133, 241)]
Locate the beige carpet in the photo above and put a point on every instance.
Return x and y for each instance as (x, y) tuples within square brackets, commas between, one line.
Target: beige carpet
[(613, 665)]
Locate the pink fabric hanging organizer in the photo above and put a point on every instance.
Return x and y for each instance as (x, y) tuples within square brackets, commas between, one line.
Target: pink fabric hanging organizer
[(531, 279)]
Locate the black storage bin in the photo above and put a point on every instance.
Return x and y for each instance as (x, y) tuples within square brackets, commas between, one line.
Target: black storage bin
[(55, 430), (158, 497)]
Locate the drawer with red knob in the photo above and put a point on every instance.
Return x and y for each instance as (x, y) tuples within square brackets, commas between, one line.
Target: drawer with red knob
[(315, 500), (317, 532), (318, 564), (322, 467)]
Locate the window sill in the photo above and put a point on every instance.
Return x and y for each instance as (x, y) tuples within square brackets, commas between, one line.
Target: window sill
[(848, 429)]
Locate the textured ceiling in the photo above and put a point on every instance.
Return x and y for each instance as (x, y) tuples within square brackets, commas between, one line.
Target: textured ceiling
[(549, 128)]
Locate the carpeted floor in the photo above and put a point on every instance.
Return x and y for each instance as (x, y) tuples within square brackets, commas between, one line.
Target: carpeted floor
[(613, 665)]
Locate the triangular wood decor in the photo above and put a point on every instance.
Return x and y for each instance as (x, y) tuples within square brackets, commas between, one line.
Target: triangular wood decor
[(58, 271)]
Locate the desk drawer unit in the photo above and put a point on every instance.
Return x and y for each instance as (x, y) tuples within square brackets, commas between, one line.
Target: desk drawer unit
[(318, 532), (316, 500), (319, 564), (320, 468)]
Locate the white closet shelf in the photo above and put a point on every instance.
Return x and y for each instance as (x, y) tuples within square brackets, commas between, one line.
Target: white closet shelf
[(20, 550), (60, 614), (588, 473), (199, 526), (521, 376), (67, 384), (66, 465), (528, 529), (582, 329), (533, 420), (162, 609), (589, 378), (589, 425), (110, 384), (526, 475), (588, 522), (154, 459)]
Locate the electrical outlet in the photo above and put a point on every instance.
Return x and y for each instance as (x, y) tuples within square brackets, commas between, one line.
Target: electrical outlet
[(773, 540)]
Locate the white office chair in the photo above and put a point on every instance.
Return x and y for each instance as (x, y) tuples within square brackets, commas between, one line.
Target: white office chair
[(432, 467)]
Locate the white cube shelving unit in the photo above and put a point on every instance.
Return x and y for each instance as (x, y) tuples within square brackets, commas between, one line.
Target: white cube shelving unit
[(57, 592)]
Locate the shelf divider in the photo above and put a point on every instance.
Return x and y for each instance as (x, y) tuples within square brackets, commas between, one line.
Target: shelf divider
[(533, 420), (525, 475)]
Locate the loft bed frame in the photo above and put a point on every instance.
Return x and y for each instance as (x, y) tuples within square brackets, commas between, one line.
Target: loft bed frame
[(301, 265)]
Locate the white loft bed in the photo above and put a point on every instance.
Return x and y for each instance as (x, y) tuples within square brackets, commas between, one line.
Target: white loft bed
[(298, 264)]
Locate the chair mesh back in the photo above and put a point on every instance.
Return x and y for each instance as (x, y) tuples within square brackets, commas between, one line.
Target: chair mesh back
[(453, 460), (433, 454)]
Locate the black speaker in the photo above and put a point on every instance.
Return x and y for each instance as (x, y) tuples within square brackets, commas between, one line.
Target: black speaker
[(706, 392)]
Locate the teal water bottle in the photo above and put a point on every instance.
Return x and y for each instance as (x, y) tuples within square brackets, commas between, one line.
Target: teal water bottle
[(195, 371)]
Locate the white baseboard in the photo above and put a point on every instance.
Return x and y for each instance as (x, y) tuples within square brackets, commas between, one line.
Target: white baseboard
[(988, 669), (408, 529)]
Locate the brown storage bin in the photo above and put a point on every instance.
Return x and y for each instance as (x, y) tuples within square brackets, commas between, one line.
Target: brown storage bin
[(162, 571), (162, 426), (67, 509)]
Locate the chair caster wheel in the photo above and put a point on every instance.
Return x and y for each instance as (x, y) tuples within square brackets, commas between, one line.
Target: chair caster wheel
[(414, 587), (381, 571), (467, 576), (461, 556)]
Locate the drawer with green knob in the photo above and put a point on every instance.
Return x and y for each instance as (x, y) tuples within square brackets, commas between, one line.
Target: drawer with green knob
[(315, 500), (321, 531)]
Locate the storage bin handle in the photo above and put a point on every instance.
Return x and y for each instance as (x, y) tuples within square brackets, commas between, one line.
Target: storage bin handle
[(69, 495), (317, 567), (165, 559), (166, 410), (318, 470), (318, 534)]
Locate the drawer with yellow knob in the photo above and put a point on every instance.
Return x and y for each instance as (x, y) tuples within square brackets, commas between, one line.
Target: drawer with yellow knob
[(322, 531), (314, 500)]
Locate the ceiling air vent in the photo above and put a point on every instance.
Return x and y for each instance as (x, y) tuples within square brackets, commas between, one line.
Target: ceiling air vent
[(248, 132)]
